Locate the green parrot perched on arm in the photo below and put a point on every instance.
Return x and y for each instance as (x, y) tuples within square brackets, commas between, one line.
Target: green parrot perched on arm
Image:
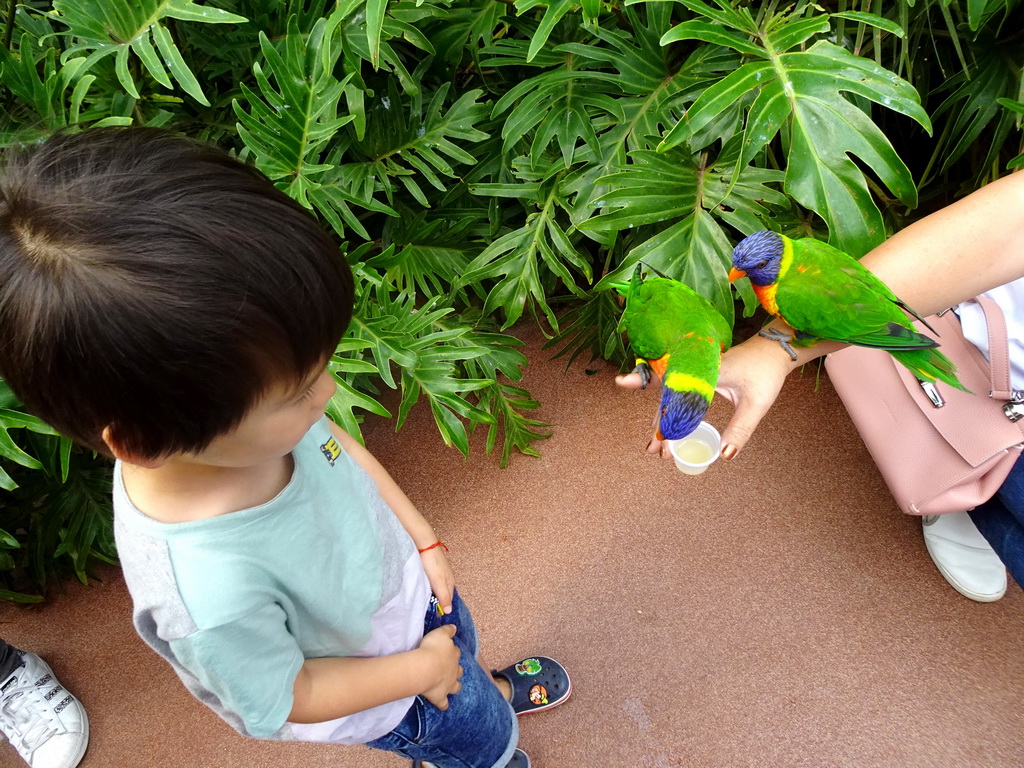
[(825, 294), (678, 334)]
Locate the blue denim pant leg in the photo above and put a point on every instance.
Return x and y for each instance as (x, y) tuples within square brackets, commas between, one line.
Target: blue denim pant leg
[(1001, 521), (479, 728)]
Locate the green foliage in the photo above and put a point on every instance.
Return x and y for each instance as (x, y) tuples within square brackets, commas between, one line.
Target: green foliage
[(55, 511), (488, 163), (99, 29), (790, 81)]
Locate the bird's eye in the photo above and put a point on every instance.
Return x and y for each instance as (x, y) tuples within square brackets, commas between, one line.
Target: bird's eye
[(762, 264)]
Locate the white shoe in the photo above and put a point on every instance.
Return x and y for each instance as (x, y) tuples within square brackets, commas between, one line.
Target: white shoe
[(964, 557), (41, 719)]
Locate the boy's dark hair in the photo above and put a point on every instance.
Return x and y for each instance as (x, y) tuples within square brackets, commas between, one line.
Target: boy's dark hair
[(157, 286)]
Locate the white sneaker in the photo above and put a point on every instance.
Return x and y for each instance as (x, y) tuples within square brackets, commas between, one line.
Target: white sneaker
[(41, 719), (964, 557)]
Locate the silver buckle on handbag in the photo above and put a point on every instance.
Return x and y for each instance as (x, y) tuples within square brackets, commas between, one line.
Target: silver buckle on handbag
[(936, 398), (1014, 409)]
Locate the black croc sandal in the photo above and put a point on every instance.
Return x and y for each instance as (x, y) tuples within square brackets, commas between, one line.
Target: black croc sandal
[(519, 759), (538, 683)]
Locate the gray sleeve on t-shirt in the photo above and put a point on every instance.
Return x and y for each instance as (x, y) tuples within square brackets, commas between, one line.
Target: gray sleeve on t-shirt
[(161, 618)]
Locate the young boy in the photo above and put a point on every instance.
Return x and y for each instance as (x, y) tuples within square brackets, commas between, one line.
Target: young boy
[(165, 304)]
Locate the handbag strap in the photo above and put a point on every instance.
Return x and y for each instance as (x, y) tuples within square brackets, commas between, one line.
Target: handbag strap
[(998, 350)]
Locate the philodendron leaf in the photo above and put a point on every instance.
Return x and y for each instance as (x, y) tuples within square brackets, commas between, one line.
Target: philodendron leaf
[(440, 348), (591, 326), (873, 20), (973, 103), (977, 10), (375, 10), (560, 106), (803, 92), (673, 199), (292, 118), (380, 328), (554, 11), (30, 71), (349, 370), (695, 250), (504, 402), (120, 27), (520, 258), (12, 419), (19, 597), (427, 351), (431, 260), (1018, 108), (408, 146)]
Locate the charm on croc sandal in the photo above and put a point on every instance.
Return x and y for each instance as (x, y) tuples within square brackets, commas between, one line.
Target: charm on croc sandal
[(528, 667), (537, 682)]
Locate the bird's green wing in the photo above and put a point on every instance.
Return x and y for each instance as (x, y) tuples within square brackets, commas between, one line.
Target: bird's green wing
[(661, 313), (644, 322), (827, 294), (720, 328)]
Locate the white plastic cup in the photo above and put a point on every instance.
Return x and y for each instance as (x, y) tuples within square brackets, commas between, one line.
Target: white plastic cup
[(698, 450)]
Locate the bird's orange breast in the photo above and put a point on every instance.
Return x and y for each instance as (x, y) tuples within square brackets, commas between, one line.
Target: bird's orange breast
[(766, 295)]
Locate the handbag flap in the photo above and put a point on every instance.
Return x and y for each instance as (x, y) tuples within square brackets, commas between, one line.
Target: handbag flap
[(972, 423)]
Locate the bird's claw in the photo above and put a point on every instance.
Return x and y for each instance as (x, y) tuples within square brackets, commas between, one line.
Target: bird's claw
[(643, 370), (783, 338)]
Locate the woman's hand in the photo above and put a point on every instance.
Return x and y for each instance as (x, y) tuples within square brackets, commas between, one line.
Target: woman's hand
[(751, 377)]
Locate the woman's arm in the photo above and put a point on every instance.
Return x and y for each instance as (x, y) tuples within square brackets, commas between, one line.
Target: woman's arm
[(967, 248)]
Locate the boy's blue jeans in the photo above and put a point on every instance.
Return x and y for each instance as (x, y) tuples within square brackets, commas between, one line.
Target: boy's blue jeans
[(479, 728), (1001, 521)]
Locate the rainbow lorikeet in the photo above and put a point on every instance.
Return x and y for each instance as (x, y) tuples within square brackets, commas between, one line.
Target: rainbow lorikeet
[(678, 334), (825, 294)]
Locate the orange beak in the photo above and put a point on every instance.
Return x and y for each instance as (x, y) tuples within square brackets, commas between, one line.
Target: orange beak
[(736, 274)]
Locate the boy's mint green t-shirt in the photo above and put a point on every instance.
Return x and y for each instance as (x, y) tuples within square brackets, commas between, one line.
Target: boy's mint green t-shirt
[(236, 603)]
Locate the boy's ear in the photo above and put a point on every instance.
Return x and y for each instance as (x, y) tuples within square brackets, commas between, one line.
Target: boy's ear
[(118, 450)]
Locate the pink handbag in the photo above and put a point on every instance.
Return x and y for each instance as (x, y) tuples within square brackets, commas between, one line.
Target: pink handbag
[(939, 449)]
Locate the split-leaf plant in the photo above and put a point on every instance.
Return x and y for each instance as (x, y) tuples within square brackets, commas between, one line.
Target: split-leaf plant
[(484, 163)]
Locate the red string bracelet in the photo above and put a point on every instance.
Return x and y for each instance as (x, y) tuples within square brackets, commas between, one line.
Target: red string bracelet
[(437, 543)]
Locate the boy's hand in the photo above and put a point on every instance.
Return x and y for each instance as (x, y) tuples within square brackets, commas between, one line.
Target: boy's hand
[(442, 652), (440, 575)]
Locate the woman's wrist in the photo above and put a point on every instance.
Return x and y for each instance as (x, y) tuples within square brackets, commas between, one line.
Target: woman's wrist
[(769, 340), (804, 354)]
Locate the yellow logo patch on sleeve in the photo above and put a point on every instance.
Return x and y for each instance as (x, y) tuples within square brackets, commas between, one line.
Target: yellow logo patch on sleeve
[(331, 450)]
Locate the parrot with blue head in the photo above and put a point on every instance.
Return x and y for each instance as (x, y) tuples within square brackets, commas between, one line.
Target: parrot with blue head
[(678, 334), (823, 293)]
